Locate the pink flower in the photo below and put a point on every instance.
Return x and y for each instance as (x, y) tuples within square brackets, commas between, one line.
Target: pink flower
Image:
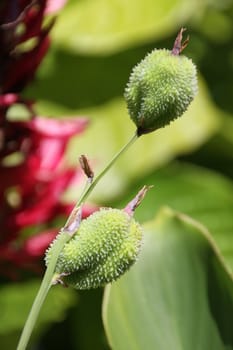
[(39, 181), (35, 246), (54, 5), (49, 138), (33, 181)]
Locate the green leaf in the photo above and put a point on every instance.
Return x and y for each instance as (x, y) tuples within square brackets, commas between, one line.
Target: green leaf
[(204, 195), (100, 26), (170, 299), (16, 300)]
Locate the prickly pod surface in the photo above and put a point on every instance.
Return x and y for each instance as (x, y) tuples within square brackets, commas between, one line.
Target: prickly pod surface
[(106, 244), (160, 89)]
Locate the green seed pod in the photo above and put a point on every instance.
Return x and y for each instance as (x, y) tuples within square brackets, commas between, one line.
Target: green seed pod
[(160, 88), (104, 247)]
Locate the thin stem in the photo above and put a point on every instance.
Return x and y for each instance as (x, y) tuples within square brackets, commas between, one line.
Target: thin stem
[(61, 240), (103, 172)]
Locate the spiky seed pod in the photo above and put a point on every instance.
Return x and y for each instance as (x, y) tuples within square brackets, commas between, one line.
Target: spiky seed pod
[(160, 89), (105, 246)]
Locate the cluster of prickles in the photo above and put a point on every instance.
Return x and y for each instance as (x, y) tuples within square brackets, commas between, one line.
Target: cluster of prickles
[(160, 88), (105, 245)]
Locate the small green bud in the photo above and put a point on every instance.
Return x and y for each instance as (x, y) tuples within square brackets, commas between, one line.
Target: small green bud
[(104, 247), (161, 88)]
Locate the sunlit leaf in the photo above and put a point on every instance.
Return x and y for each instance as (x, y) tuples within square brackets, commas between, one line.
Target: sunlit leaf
[(100, 26)]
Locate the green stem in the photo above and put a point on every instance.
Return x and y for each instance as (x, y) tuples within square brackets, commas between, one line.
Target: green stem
[(42, 293), (108, 166), (61, 240)]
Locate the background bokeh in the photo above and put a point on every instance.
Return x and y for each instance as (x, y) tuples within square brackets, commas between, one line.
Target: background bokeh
[(95, 44)]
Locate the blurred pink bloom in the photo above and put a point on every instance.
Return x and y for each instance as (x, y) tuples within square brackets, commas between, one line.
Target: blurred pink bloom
[(54, 6), (35, 246), (39, 180), (32, 184)]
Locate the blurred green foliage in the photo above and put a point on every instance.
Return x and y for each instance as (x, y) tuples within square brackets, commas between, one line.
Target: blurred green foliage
[(95, 44)]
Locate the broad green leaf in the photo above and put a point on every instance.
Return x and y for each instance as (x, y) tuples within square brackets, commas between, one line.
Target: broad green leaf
[(100, 26), (16, 300), (204, 195), (170, 299)]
